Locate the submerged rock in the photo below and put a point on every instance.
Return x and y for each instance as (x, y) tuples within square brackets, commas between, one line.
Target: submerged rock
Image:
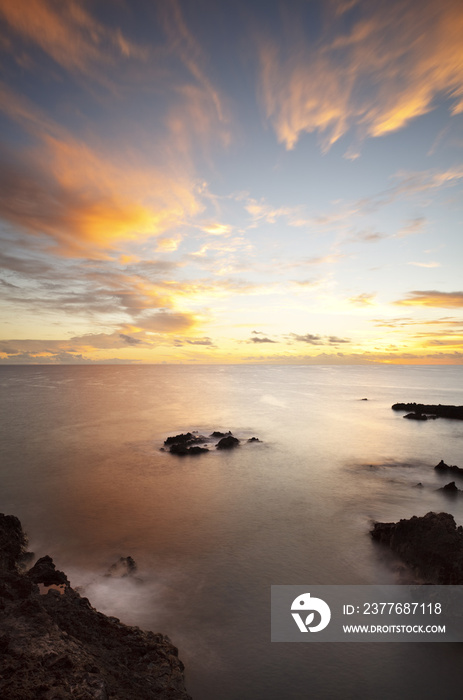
[(190, 443), (416, 416), (228, 443), (58, 646), (124, 566), (431, 545)]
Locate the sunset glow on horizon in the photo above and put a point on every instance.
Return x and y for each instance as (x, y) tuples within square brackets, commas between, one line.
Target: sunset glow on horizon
[(205, 182)]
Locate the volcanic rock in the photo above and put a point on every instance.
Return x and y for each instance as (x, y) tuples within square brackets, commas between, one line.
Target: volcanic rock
[(451, 489), (442, 411), (58, 646), (228, 443), (416, 416), (431, 545), (453, 469)]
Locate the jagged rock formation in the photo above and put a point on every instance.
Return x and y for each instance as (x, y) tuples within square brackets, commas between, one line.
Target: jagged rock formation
[(453, 469), (57, 646), (451, 489), (431, 545), (431, 410)]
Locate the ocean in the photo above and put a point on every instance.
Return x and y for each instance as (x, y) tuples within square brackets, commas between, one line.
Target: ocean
[(82, 468)]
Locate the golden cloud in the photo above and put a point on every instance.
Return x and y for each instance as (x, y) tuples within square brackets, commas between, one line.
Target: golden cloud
[(86, 200), (388, 68), (433, 298)]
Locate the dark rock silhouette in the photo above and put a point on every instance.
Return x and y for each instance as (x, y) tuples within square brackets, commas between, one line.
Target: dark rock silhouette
[(451, 489), (228, 443), (188, 443), (183, 449), (416, 416), (58, 646), (44, 572), (183, 437), (124, 566), (431, 545), (454, 470), (431, 410)]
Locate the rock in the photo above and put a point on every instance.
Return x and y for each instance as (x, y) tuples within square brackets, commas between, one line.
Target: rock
[(433, 410), (254, 439), (363, 399), (431, 545), (218, 434), (124, 566), (416, 416), (44, 571), (13, 543), (419, 485), (58, 646), (454, 470), (178, 439), (228, 443), (183, 449), (451, 489), (197, 450)]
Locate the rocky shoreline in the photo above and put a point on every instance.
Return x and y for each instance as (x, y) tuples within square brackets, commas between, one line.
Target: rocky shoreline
[(55, 645)]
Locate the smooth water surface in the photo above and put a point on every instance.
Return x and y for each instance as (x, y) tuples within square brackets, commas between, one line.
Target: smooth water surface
[(83, 470)]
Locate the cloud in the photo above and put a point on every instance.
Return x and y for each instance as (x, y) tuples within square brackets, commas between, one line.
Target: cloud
[(199, 341), (130, 340), (199, 111), (168, 322), (363, 299), (257, 339), (70, 35), (86, 200), (312, 339), (422, 264), (413, 226), (215, 228), (380, 66), (308, 338), (432, 298)]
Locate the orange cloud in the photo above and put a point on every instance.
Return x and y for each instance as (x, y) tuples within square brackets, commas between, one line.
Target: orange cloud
[(72, 37), (385, 70), (433, 298), (84, 199)]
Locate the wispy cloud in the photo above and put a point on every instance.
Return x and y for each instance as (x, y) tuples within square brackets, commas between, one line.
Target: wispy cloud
[(378, 69), (363, 299), (424, 264), (70, 35), (312, 339)]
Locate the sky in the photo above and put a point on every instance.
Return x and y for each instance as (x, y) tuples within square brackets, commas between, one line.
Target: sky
[(195, 181)]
